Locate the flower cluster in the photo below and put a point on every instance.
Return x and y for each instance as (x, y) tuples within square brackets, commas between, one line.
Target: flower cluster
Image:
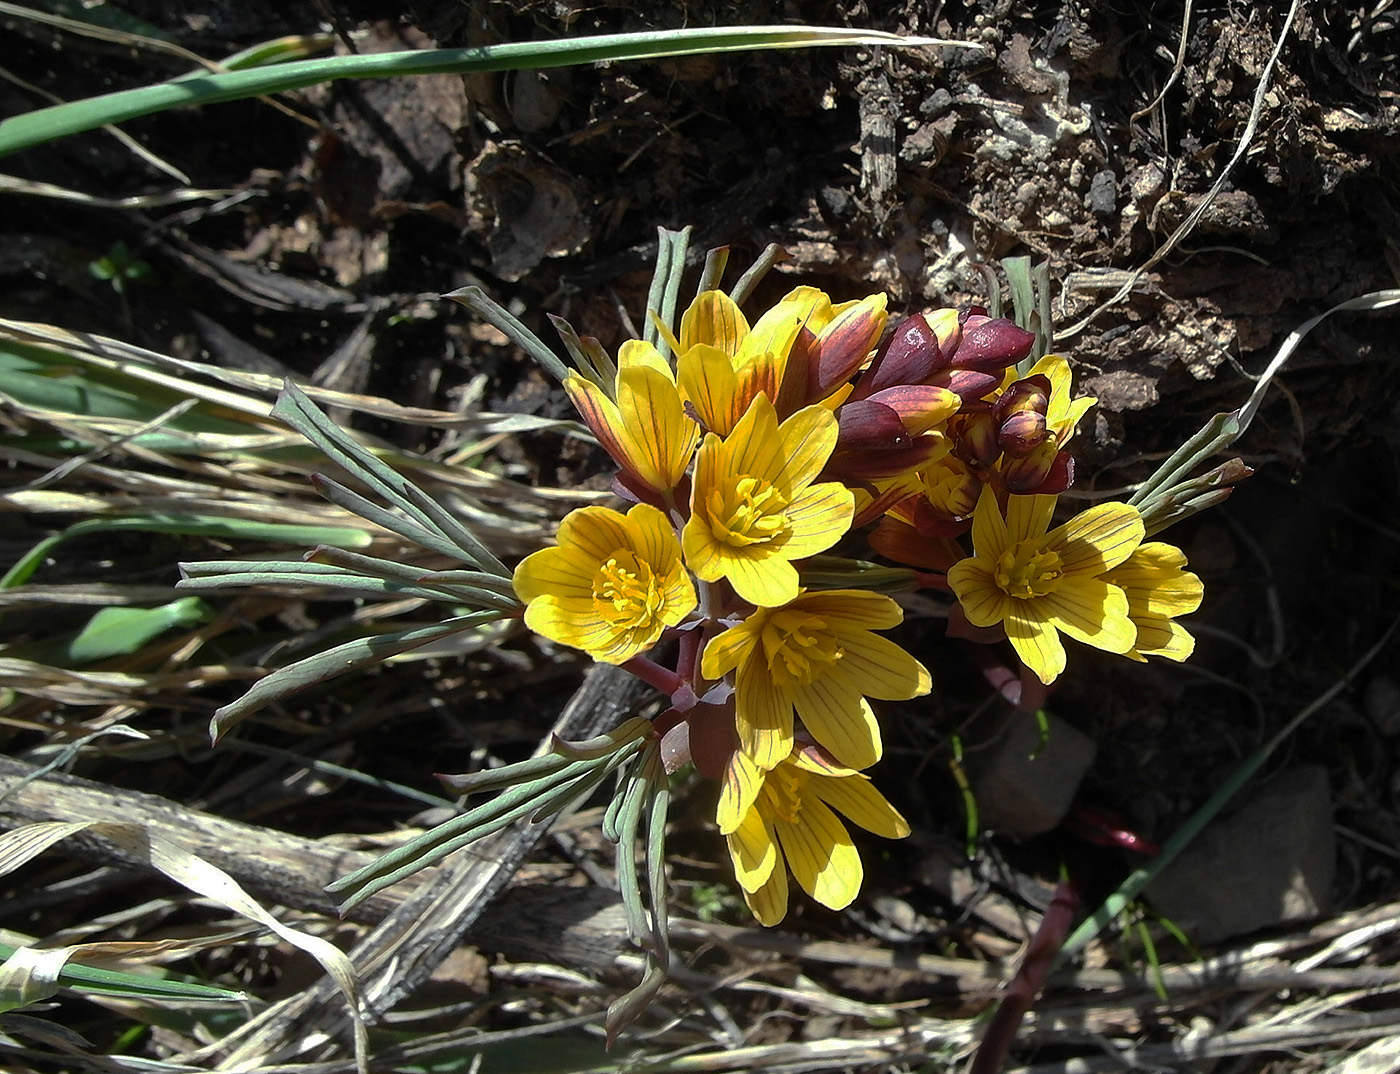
[(757, 448)]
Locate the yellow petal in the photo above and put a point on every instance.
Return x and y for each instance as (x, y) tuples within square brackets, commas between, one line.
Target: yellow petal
[(818, 517), (706, 377), (770, 902), (1036, 643), (1028, 517), (753, 853), (753, 449), (1091, 611), (819, 851), (877, 667), (638, 354), (983, 601), (1160, 636), (599, 414), (763, 715), (1098, 539), (758, 574), (550, 571), (857, 799), (855, 608), (652, 537), (988, 527), (725, 652), (841, 720), (655, 430), (808, 439), (713, 319), (774, 332), (743, 779)]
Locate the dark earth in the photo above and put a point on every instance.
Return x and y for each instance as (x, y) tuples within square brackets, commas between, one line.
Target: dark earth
[(1083, 134)]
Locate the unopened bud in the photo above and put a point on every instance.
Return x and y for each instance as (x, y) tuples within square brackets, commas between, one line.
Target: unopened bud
[(1019, 416), (844, 345), (913, 352), (975, 438), (991, 343)]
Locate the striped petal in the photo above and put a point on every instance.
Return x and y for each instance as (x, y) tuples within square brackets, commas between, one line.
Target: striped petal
[(1089, 610), (819, 851), (753, 852), (877, 667), (988, 527), (1036, 643), (1027, 517), (836, 715), (706, 377), (983, 601), (656, 433), (817, 518), (713, 320), (743, 779), (763, 715), (808, 439), (770, 902), (856, 798), (1098, 539)]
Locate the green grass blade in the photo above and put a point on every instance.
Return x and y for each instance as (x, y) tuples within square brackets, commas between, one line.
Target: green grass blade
[(135, 985), (47, 124), (119, 631), (191, 526), (362, 652)]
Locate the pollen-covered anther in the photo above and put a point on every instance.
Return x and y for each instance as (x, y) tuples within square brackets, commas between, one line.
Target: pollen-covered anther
[(750, 511), (625, 591), (1027, 571)]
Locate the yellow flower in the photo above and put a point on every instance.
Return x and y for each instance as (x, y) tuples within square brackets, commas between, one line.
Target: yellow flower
[(1158, 588), (754, 508), (788, 813), (611, 586), (642, 424), (818, 656), (789, 355), (1040, 584)]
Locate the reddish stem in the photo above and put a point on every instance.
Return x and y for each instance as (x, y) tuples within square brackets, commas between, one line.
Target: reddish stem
[(1023, 989)]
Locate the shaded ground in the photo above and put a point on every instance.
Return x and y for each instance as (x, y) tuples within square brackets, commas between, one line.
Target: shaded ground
[(1069, 135)]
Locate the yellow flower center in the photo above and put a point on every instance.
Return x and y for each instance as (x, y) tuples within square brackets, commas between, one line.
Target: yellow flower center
[(1027, 571), (625, 592), (799, 647), (782, 793), (748, 511)]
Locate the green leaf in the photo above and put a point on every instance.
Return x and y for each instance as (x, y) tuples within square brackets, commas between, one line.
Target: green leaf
[(59, 121), (135, 985), (361, 652), (188, 525), (117, 631)]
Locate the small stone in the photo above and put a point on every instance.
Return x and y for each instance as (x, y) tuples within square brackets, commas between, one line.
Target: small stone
[(1023, 786), (1270, 862), (1102, 199)]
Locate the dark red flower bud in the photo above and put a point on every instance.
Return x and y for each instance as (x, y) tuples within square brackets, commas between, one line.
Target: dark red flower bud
[(991, 343), (919, 346), (1046, 471), (866, 424), (845, 343), (1019, 416), (975, 438), (970, 384)]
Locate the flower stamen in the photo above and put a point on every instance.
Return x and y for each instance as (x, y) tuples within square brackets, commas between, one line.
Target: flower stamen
[(749, 511), (1027, 571)]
